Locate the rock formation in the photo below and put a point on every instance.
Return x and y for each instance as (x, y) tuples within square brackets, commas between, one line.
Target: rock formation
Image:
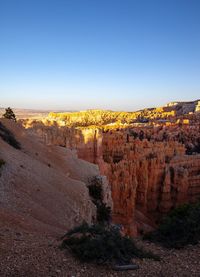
[(152, 166), (148, 178), (43, 188)]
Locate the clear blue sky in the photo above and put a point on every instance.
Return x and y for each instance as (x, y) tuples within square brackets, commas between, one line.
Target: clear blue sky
[(111, 54)]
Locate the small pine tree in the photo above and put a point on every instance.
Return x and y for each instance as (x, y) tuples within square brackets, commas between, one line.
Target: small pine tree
[(9, 114)]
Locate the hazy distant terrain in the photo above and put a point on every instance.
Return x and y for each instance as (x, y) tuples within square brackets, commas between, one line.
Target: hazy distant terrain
[(98, 117), (105, 117), (28, 113)]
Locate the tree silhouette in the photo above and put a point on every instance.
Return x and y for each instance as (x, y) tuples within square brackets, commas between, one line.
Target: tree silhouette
[(9, 114)]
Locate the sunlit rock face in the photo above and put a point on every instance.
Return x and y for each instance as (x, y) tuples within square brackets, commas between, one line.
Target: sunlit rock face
[(86, 141), (151, 166), (197, 108), (147, 169), (148, 176), (184, 107)]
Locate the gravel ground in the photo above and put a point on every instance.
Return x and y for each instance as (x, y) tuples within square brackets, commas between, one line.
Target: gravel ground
[(27, 255)]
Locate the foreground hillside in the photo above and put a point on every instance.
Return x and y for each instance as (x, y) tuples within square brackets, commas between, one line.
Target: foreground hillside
[(43, 193), (42, 188), (26, 254)]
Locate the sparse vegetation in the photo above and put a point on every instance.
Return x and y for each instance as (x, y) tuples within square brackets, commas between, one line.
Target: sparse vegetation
[(8, 137), (96, 193), (2, 162), (103, 213), (9, 114), (179, 228), (95, 189), (100, 244)]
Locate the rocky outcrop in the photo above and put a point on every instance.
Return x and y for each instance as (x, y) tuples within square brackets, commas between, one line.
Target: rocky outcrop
[(197, 107), (151, 177), (184, 107), (151, 167)]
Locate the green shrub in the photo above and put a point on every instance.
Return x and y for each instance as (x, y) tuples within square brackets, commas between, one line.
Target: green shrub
[(100, 244), (8, 137), (2, 162), (179, 228), (103, 213), (9, 114), (96, 193)]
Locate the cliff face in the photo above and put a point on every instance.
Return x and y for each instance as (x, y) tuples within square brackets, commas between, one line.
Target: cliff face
[(87, 141), (185, 107), (148, 178), (151, 167)]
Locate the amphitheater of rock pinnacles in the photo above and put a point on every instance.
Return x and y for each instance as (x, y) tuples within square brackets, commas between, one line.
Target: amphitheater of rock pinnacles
[(151, 166)]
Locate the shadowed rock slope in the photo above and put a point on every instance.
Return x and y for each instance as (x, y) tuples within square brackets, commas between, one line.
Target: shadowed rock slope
[(42, 188)]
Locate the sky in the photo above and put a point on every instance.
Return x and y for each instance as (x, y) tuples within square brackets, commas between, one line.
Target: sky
[(98, 54)]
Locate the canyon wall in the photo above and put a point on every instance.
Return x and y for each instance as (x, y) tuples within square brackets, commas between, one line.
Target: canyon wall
[(147, 167), (148, 178)]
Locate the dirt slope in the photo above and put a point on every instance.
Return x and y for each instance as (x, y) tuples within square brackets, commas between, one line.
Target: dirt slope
[(42, 188)]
